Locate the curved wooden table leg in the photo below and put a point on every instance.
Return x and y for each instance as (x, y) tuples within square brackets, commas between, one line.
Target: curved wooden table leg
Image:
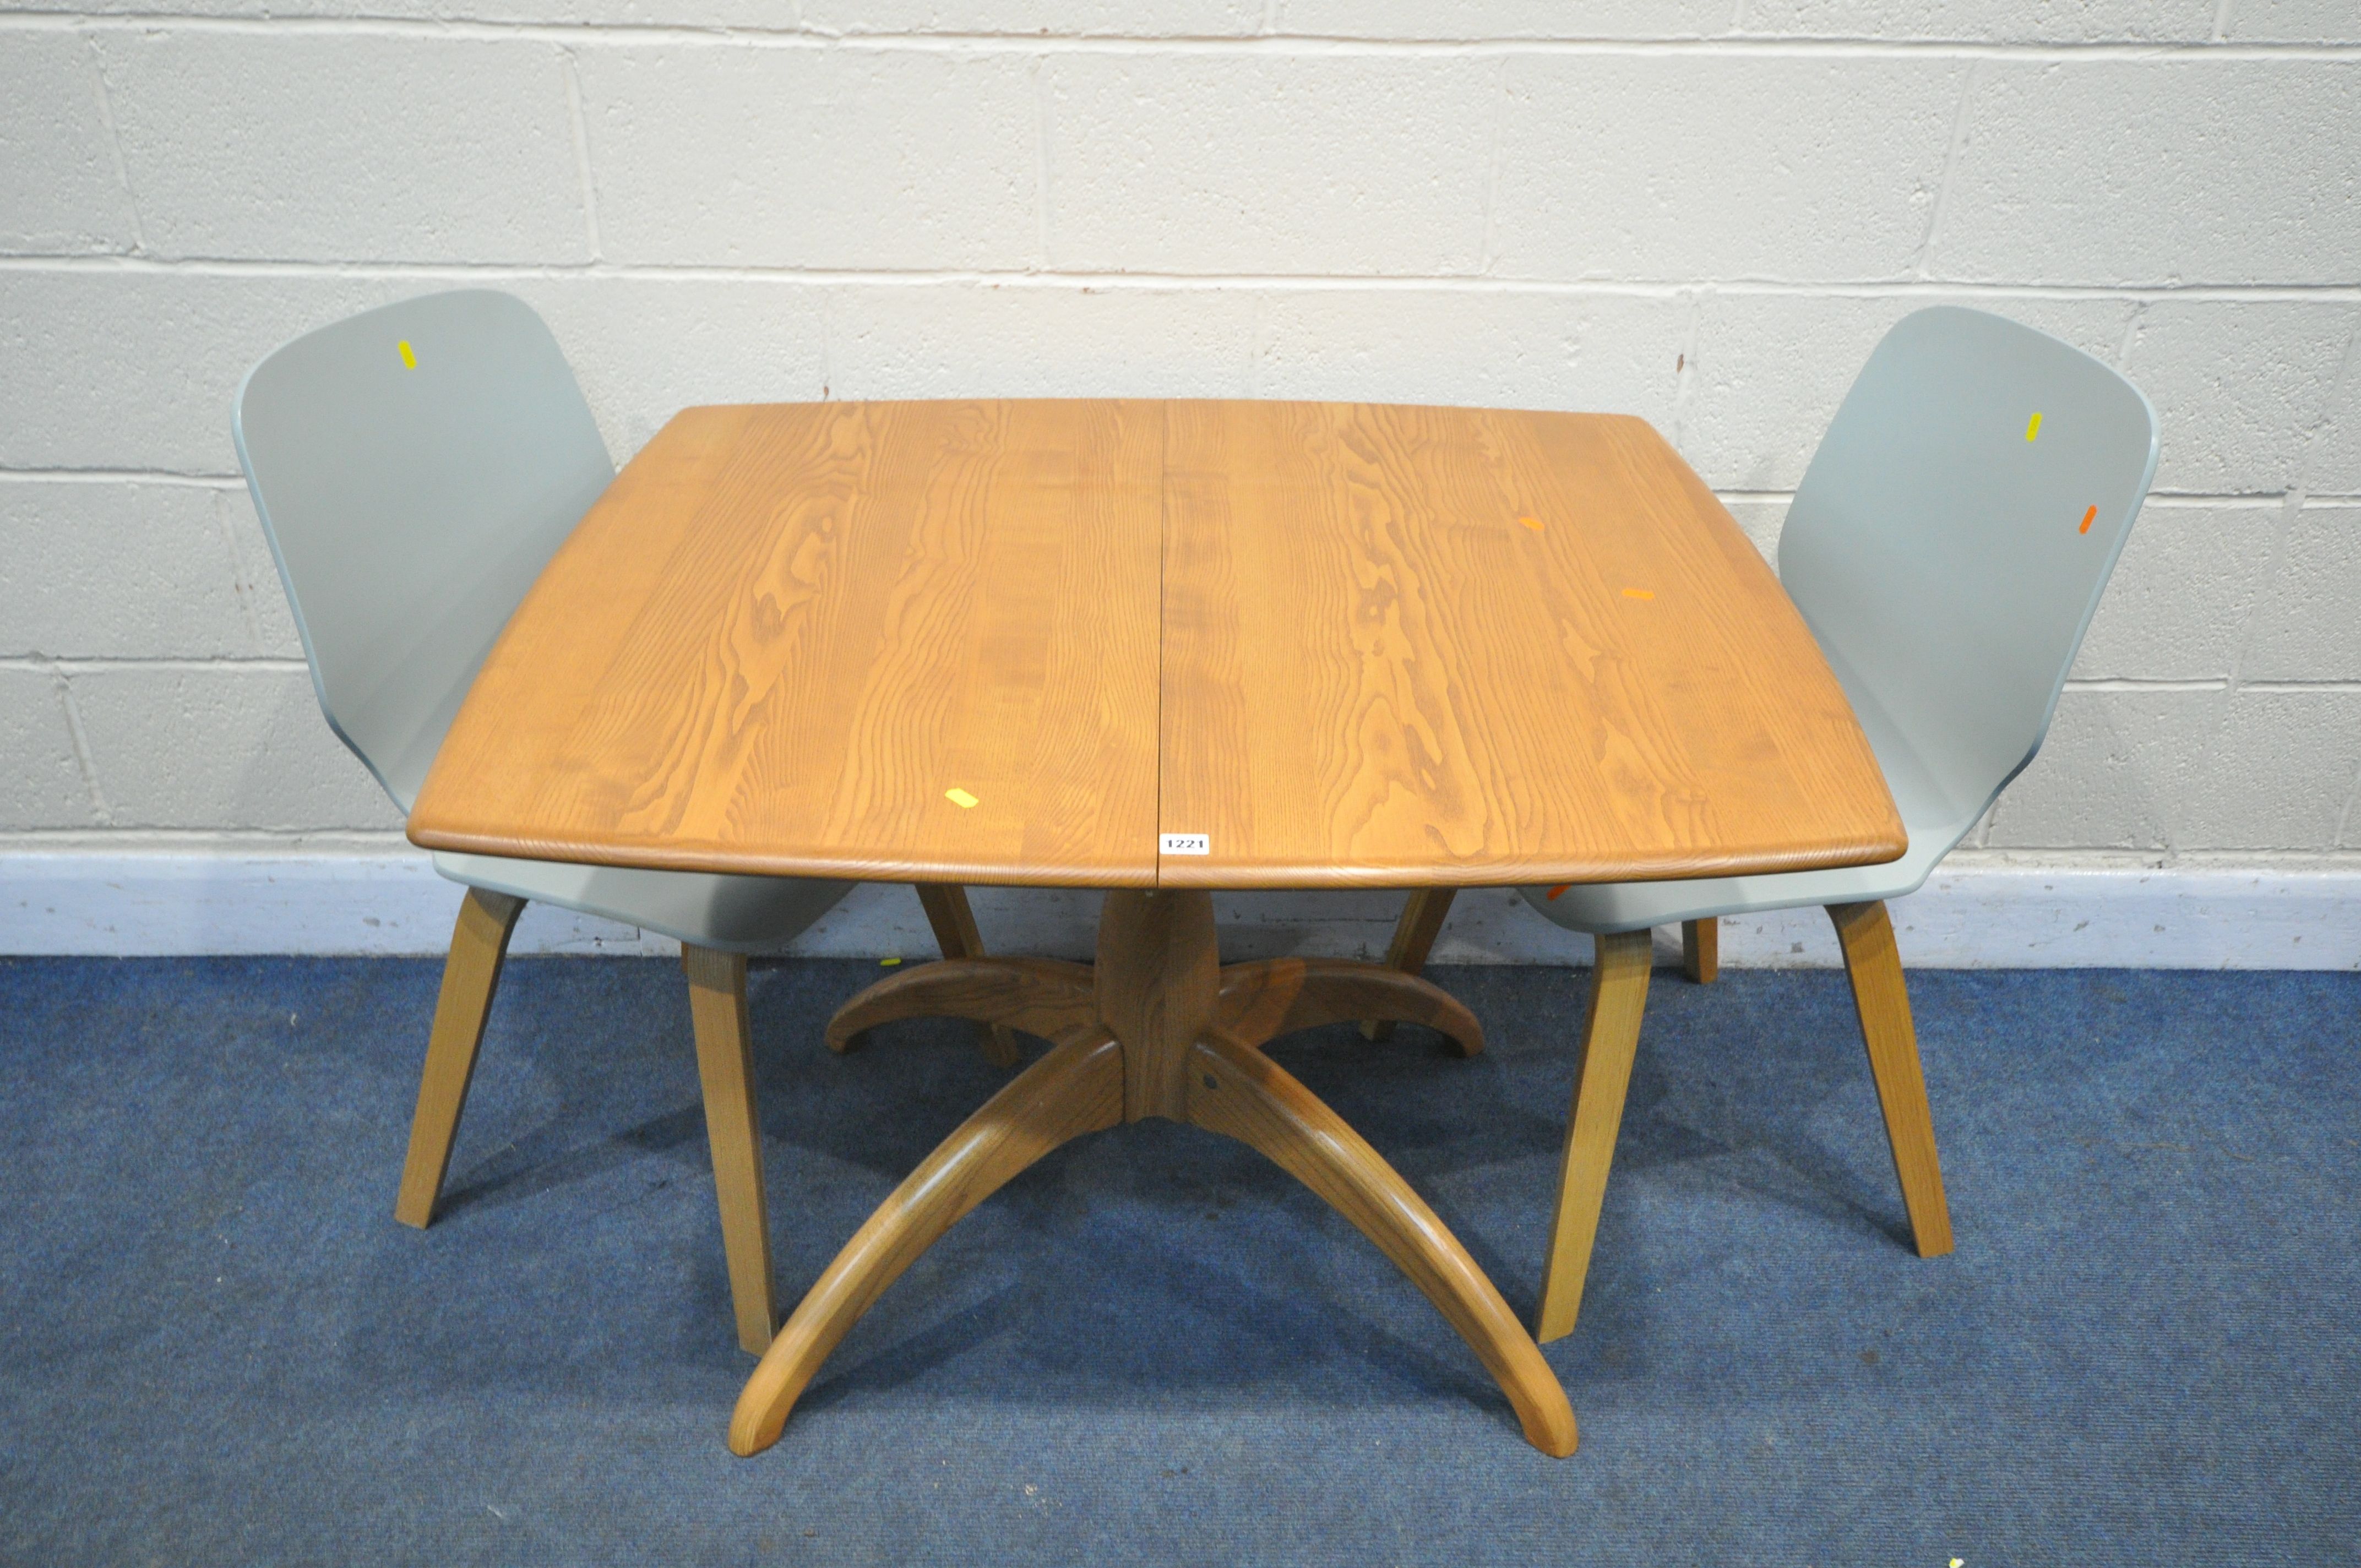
[(1421, 921), (955, 924), (1154, 1045), (1277, 996), (1236, 1091), (1040, 996), (1076, 1088)]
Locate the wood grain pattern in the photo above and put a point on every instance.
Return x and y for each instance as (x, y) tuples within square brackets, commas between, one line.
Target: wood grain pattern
[(733, 1129), (1040, 996), (955, 933), (1076, 1088), (1154, 1048), (1374, 673), (1271, 997), (1235, 1089), (480, 944), (1610, 1036), (1421, 921), (1874, 964), (787, 631), (1159, 977), (1318, 634)]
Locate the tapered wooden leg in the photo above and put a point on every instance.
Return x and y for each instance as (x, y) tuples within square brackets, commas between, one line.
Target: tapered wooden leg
[(1610, 1036), (1077, 1088), (1040, 996), (1414, 933), (724, 1064), (1874, 966), (1277, 996), (1701, 949), (479, 946), (1236, 1091), (955, 933)]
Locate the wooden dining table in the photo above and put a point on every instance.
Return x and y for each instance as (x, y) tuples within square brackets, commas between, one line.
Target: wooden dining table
[(1162, 648)]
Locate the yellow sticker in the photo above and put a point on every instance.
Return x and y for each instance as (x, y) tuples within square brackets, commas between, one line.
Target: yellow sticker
[(887, 963), (2033, 427), (1638, 593), (959, 798), (408, 357), (1533, 522)]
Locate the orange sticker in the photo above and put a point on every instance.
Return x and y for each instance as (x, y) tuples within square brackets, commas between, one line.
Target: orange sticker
[(1558, 889), (1639, 594), (1533, 522), (2088, 519)]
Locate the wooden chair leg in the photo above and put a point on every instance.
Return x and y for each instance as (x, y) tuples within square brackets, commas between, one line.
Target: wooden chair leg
[(1874, 965), (1618, 996), (479, 946), (1414, 933), (724, 1064), (954, 923), (1701, 949)]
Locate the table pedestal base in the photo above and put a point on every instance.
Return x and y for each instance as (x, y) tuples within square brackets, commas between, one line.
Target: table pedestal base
[(1156, 1028)]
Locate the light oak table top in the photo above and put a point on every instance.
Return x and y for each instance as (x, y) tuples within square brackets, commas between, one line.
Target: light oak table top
[(1348, 645)]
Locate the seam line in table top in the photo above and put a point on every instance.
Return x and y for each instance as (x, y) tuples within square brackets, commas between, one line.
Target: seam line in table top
[(1163, 554)]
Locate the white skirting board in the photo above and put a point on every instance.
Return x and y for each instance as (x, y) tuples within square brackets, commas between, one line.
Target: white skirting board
[(1968, 917)]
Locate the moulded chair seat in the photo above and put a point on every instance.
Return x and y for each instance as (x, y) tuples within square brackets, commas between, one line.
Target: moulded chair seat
[(1948, 546), (728, 914), (414, 468)]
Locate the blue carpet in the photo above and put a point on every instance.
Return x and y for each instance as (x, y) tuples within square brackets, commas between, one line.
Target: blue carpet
[(216, 1346)]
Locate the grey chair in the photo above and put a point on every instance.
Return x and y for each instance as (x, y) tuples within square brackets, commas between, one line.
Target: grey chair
[(1947, 547), (414, 468)]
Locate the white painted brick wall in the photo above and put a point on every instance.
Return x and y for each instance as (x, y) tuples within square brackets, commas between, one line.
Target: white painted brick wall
[(1704, 212)]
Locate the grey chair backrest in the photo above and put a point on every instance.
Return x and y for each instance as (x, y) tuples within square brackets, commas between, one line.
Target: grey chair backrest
[(415, 467), (1949, 541)]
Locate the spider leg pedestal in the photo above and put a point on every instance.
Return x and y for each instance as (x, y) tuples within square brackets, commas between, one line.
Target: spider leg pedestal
[(1158, 1027)]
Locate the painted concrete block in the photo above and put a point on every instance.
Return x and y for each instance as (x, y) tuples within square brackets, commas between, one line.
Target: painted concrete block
[(110, 570), (2014, 21), (60, 193), (2308, 627), (834, 157), (1608, 353), (1261, 164), (221, 747), (2187, 581), (41, 783), (2114, 774), (1688, 165), (2280, 775), (2159, 172), (295, 146), (985, 341), (1471, 20), (2237, 385)]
